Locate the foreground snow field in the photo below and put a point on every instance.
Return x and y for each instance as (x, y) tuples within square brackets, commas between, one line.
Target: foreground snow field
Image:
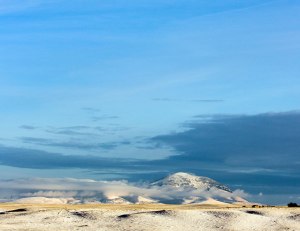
[(146, 217)]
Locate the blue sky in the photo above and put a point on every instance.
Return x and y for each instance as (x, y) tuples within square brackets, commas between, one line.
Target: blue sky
[(116, 82)]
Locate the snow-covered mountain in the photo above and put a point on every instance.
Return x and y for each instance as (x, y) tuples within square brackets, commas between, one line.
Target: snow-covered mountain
[(186, 181), (177, 188), (186, 188)]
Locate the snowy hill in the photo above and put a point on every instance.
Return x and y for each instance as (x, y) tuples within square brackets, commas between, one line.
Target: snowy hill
[(117, 200), (186, 188), (177, 188), (186, 181), (144, 200)]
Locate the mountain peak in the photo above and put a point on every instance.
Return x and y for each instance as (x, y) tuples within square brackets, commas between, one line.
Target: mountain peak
[(188, 181), (181, 174)]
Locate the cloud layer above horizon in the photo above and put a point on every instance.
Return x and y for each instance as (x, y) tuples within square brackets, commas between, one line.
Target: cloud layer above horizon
[(259, 153), (91, 190)]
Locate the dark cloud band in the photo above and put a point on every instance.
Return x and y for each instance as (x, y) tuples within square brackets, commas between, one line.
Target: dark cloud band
[(260, 149)]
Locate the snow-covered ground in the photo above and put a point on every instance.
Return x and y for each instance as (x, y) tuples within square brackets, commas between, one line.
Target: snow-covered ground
[(147, 217)]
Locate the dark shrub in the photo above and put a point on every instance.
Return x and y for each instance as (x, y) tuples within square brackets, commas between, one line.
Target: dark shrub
[(291, 204)]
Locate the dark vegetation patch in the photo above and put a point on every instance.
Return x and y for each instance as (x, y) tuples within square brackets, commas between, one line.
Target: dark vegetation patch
[(291, 204), (158, 212), (257, 206), (254, 212), (17, 210), (219, 214), (20, 212), (83, 214), (294, 217), (124, 216)]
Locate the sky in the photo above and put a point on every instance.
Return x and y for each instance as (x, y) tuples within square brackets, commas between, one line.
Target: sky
[(139, 89)]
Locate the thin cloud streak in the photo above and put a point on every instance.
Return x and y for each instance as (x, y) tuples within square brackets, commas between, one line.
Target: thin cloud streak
[(74, 144), (91, 109), (102, 190), (104, 117), (28, 127), (189, 100)]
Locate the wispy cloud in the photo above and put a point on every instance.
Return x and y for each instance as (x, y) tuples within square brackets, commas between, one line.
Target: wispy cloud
[(91, 109), (37, 159), (103, 190), (28, 127), (74, 144), (188, 100), (77, 127), (96, 114), (79, 131), (104, 117), (71, 131)]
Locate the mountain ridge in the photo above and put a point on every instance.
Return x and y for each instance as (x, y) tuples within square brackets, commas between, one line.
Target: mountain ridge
[(190, 181), (176, 188)]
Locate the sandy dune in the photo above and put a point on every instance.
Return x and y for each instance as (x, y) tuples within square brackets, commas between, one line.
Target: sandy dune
[(146, 217)]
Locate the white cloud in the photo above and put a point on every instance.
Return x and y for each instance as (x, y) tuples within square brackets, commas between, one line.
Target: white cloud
[(101, 190)]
